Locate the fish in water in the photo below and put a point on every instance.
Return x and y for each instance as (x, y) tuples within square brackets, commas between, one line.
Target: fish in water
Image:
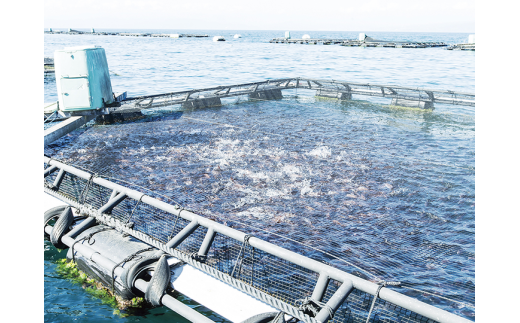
[(387, 185)]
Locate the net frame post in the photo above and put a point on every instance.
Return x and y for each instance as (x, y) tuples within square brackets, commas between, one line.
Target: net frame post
[(207, 242), (49, 170), (112, 203), (321, 287), (335, 301), (182, 235), (59, 179)]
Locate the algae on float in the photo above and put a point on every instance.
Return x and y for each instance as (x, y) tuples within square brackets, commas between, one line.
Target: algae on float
[(69, 270)]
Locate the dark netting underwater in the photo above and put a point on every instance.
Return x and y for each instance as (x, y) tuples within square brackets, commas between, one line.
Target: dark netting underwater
[(385, 194)]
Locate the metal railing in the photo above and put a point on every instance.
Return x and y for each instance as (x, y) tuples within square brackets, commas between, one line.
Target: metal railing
[(111, 194), (347, 88)]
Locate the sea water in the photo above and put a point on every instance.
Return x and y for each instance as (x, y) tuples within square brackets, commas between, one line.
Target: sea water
[(156, 65)]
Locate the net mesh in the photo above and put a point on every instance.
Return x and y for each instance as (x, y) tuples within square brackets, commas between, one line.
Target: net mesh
[(380, 194)]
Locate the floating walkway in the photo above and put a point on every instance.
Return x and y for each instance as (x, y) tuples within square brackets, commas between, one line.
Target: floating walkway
[(308, 41), (357, 43), (106, 209), (462, 47), (362, 41), (272, 89), (469, 45), (127, 108), (130, 107)]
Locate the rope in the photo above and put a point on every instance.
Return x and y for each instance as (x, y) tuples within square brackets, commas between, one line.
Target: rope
[(87, 237), (384, 284), (129, 258), (180, 208), (107, 220), (246, 242), (135, 207), (309, 304), (262, 296), (84, 192)]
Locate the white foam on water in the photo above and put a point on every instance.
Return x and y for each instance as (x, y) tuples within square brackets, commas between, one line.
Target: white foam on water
[(321, 152), (256, 212)]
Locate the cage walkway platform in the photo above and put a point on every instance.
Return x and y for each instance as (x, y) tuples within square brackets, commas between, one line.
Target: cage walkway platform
[(265, 90), (272, 89), (304, 289)]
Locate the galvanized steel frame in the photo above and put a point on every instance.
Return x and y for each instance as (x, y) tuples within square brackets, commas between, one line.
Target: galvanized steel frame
[(351, 88), (325, 272)]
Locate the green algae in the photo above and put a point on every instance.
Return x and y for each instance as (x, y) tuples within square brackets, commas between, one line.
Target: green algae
[(122, 307)]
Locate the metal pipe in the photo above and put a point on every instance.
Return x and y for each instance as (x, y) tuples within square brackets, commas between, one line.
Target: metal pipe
[(112, 203), (167, 300), (208, 241), (89, 222), (58, 180), (321, 287), (335, 301), (49, 170), (333, 273), (181, 236), (114, 193), (175, 305)]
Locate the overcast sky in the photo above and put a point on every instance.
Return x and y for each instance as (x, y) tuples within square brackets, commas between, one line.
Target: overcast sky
[(328, 15)]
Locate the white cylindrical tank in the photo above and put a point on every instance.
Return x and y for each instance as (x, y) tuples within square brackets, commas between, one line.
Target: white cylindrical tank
[(306, 36), (237, 36), (471, 39), (218, 38), (362, 36), (82, 78), (174, 35), (287, 35)]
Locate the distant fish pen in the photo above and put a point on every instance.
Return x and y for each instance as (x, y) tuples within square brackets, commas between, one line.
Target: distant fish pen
[(362, 41), (260, 197), (107, 33), (462, 47)]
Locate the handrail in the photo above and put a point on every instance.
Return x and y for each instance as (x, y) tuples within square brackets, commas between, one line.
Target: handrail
[(367, 89), (366, 286)]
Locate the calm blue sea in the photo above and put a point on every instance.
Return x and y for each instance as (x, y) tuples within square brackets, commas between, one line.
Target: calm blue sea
[(445, 138)]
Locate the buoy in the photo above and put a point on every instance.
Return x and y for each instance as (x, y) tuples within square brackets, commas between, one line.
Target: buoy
[(471, 39), (218, 38), (92, 30), (237, 36), (50, 29), (174, 35), (306, 36), (287, 35)]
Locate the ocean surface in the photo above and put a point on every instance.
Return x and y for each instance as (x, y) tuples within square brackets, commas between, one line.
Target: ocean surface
[(406, 168)]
